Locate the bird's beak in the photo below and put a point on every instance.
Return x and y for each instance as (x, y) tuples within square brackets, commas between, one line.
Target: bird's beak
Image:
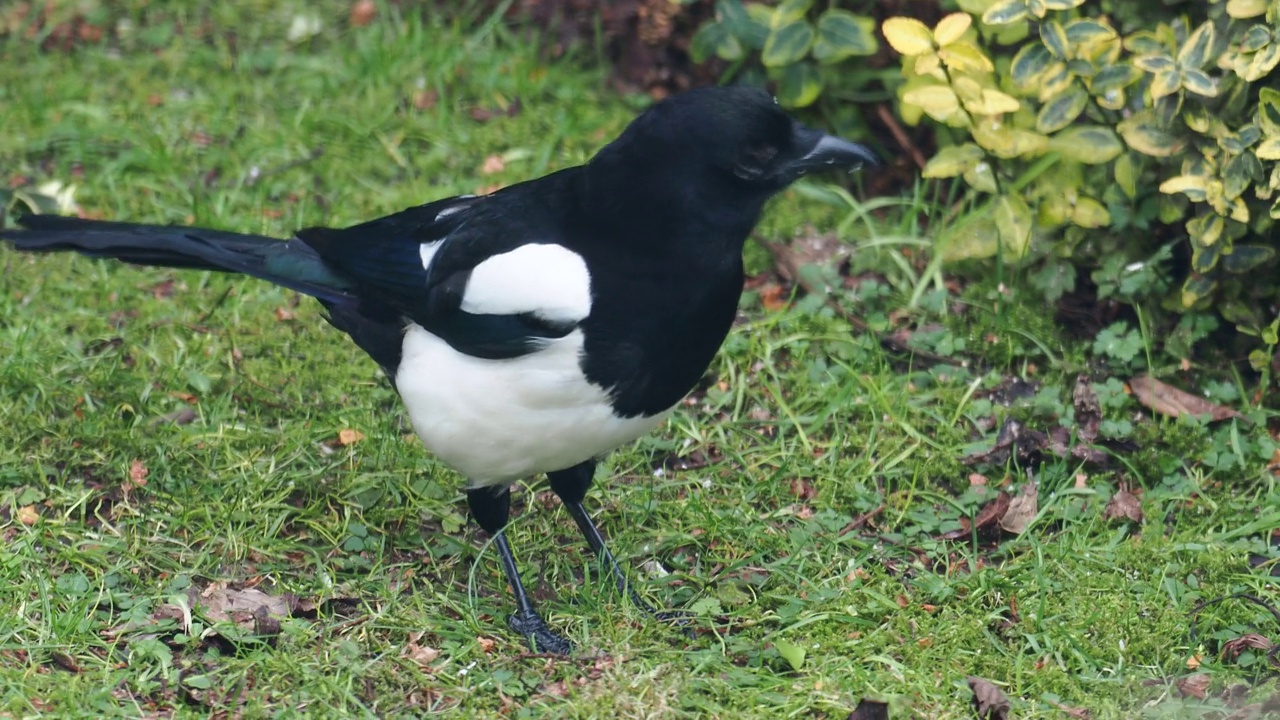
[(820, 151)]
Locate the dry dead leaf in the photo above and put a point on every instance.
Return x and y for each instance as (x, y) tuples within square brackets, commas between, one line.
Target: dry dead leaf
[(1194, 661), (493, 164), (138, 473), (1196, 686), (486, 644), (1088, 410), (802, 489), (28, 515), (1074, 712), (1022, 510), (285, 315), (1168, 400), (362, 12), (421, 655), (348, 436), (1124, 505), (977, 479), (1231, 649), (989, 701)]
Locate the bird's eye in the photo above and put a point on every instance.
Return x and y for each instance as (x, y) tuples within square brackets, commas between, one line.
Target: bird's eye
[(754, 163)]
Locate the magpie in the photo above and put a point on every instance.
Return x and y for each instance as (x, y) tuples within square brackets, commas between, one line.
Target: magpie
[(534, 329)]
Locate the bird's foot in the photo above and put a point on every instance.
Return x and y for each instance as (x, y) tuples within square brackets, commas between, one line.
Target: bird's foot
[(681, 619), (541, 638)]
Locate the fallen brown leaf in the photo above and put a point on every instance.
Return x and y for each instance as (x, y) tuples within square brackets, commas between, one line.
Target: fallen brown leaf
[(1196, 686), (1124, 505), (28, 515), (1074, 712), (348, 436), (421, 655), (138, 473), (1088, 410), (1022, 510), (1231, 649), (285, 315), (486, 644), (1168, 400), (989, 701), (362, 12), (493, 164)]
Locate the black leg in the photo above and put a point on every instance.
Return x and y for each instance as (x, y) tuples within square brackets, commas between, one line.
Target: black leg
[(491, 507), (571, 485)]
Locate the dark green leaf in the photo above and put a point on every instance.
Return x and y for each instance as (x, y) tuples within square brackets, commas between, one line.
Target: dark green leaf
[(1195, 51), (841, 34), (1030, 64), (1244, 258), (1054, 38), (1005, 12), (715, 39), (1204, 259), (787, 44), (1084, 31), (1113, 77), (1062, 110), (749, 31), (799, 85)]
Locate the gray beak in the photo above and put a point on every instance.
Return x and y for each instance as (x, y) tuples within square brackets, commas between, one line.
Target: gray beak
[(821, 151)]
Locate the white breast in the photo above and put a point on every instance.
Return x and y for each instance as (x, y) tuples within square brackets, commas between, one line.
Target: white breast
[(497, 421)]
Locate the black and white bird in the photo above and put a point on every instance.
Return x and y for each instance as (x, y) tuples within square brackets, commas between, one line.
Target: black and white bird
[(534, 329)]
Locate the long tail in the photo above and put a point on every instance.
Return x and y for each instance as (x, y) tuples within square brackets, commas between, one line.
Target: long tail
[(291, 263)]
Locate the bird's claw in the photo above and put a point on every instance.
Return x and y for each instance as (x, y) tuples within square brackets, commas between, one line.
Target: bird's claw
[(541, 638)]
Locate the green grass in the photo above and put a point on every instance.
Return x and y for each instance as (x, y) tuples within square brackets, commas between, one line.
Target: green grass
[(807, 426)]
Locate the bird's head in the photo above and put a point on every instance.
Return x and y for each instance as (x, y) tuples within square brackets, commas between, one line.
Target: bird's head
[(728, 141)]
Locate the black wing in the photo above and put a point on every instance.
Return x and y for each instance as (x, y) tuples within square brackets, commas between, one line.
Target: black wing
[(384, 259)]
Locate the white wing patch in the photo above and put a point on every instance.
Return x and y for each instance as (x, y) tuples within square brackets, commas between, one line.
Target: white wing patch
[(550, 281), (427, 251)]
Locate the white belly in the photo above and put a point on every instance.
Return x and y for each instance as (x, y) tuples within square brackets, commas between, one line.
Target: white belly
[(497, 421)]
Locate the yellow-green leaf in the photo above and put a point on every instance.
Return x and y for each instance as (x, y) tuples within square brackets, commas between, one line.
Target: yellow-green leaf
[(939, 101), (1165, 83), (1005, 12), (953, 161), (1262, 63), (787, 44), (799, 85), (1005, 141), (1061, 4), (1085, 31), (981, 177), (907, 35), (1199, 82), (1239, 9), (1195, 51), (1089, 144), (1204, 259), (974, 236), (1206, 228), (992, 102), (950, 28), (1013, 221), (1089, 213), (1126, 171), (789, 12), (966, 58), (1062, 110), (1029, 65), (1155, 63), (1054, 38), (1269, 149), (1269, 111), (1055, 80), (1194, 187), (841, 34), (747, 23), (1197, 289), (1255, 38), (1143, 134)]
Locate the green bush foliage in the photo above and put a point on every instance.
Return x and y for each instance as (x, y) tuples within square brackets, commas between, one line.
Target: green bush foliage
[(802, 51), (1135, 142)]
